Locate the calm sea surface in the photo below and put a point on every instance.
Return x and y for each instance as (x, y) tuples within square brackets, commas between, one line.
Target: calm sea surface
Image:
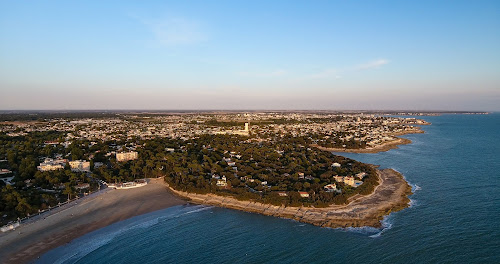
[(454, 169)]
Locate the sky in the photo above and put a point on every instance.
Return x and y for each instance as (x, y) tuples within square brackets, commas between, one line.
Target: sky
[(250, 55)]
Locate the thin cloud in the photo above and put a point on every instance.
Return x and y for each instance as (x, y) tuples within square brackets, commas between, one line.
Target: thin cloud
[(176, 31), (371, 65)]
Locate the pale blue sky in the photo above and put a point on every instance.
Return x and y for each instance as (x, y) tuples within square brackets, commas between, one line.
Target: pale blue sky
[(414, 55)]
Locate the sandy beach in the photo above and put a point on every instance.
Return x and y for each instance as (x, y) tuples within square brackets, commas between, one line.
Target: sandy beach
[(32, 240), (389, 196)]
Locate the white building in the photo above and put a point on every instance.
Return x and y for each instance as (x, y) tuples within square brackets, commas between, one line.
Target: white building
[(349, 180), (82, 186), (171, 150), (332, 187), (338, 178), (80, 165), (361, 175), (125, 156), (5, 171), (222, 182), (50, 164), (244, 132)]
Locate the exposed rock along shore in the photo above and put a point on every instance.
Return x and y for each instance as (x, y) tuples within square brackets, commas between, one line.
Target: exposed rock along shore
[(390, 195), (379, 148)]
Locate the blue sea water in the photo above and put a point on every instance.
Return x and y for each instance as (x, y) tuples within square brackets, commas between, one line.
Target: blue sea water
[(454, 217)]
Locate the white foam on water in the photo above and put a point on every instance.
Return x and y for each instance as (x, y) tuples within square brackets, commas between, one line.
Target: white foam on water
[(414, 186), (365, 230), (386, 225), (203, 208), (84, 248), (81, 248), (152, 222)]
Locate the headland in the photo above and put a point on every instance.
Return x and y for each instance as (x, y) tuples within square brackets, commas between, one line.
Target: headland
[(262, 162), (382, 147), (390, 195)]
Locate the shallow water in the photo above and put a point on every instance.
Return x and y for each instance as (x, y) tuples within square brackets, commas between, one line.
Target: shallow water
[(454, 169)]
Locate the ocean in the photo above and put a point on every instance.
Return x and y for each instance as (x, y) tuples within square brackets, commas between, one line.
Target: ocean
[(454, 216)]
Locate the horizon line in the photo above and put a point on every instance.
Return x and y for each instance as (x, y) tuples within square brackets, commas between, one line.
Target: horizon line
[(243, 110)]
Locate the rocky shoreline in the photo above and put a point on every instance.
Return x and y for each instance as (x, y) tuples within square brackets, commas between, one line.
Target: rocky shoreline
[(379, 148), (390, 195)]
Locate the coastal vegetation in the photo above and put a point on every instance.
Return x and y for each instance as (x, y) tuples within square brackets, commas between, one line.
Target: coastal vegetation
[(268, 172), (278, 159), (271, 173)]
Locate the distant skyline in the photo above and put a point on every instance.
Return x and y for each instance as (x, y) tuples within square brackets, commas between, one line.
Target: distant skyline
[(235, 55)]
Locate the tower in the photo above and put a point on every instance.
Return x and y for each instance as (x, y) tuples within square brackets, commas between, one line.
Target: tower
[(246, 127)]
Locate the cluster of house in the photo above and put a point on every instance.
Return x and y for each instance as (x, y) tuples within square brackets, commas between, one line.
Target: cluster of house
[(370, 128), (50, 164), (332, 187), (80, 165), (328, 188), (58, 164), (244, 132), (351, 180), (231, 163)]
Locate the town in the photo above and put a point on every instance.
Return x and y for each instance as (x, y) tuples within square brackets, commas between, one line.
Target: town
[(263, 156)]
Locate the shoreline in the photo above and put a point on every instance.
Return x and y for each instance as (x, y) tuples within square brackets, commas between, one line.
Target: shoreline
[(31, 240), (386, 146), (27, 242), (391, 195)]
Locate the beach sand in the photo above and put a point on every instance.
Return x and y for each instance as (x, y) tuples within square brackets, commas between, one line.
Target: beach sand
[(32, 240)]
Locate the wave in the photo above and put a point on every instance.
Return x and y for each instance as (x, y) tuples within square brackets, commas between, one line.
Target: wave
[(365, 230), (152, 222), (203, 208), (84, 249), (85, 245), (386, 225), (414, 186), (372, 232)]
